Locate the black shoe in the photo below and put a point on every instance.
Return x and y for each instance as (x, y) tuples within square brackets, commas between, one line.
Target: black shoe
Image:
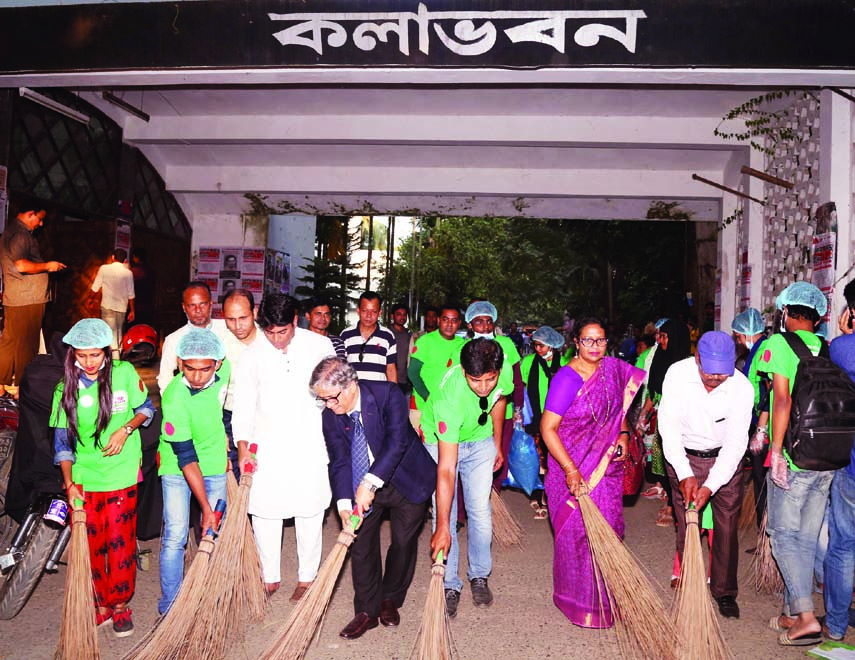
[(452, 600), (728, 607), (481, 594)]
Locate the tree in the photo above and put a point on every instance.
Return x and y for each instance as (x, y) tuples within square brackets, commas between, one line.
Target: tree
[(329, 274)]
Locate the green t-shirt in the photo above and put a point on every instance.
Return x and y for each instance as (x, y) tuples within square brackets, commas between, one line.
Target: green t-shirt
[(776, 357), (452, 411), (437, 354), (197, 417), (94, 471), (543, 383), (512, 357)]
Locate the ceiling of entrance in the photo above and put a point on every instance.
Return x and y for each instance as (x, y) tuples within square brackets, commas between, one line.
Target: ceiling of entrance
[(520, 151)]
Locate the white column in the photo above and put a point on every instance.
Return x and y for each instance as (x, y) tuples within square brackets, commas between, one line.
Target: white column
[(754, 231), (728, 263), (836, 171)]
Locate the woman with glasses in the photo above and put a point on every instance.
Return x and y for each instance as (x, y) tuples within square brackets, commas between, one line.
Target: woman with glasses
[(585, 429)]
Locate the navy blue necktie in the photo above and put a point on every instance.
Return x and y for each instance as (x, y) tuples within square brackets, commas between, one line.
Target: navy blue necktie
[(358, 451)]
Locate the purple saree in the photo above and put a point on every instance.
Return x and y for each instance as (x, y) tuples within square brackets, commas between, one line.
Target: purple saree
[(589, 431)]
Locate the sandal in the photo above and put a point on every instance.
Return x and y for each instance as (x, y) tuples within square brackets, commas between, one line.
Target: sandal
[(541, 514), (654, 493), (665, 519)]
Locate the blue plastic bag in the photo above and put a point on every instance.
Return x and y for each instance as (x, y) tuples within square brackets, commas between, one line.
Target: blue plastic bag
[(523, 463)]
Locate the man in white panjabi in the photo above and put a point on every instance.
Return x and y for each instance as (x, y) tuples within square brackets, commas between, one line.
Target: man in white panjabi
[(274, 408)]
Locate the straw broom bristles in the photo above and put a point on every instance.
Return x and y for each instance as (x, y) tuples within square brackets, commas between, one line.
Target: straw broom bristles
[(168, 640), (644, 630), (294, 638), (507, 531), (78, 635), (765, 575), (234, 589), (434, 641), (697, 624), (748, 513)]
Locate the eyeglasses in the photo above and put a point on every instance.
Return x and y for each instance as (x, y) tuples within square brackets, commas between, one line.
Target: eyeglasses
[(482, 418), (323, 401), (362, 351), (590, 341)]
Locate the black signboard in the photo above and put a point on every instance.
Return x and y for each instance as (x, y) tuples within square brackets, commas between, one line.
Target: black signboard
[(789, 34)]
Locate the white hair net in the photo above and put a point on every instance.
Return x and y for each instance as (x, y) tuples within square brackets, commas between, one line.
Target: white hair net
[(749, 322), (804, 294), (200, 344), (481, 308), (89, 333), (546, 335)]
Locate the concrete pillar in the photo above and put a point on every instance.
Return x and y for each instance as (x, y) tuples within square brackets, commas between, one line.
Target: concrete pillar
[(728, 264), (754, 232), (836, 171)]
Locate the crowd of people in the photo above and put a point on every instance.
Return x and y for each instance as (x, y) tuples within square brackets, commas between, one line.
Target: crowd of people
[(380, 420)]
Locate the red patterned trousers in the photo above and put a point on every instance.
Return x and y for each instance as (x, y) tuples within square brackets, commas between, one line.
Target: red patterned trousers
[(111, 525)]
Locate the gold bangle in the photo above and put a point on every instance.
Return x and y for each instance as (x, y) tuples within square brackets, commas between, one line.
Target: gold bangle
[(575, 469)]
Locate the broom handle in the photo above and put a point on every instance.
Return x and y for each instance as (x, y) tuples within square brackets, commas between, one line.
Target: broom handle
[(253, 450), (219, 510)]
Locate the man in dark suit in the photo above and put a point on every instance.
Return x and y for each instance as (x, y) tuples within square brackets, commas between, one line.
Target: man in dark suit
[(377, 462)]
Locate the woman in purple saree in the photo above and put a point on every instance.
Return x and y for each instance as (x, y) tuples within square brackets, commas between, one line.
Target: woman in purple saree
[(584, 427)]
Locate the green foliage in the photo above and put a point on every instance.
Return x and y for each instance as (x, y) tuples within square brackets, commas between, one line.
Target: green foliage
[(535, 270)]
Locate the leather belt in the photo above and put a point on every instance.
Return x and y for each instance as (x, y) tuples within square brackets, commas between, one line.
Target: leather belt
[(709, 453)]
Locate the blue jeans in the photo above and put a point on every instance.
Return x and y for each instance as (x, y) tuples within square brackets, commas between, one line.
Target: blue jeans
[(176, 521), (840, 557), (475, 468), (795, 517)]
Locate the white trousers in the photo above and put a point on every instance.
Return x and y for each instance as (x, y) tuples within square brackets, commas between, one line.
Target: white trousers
[(268, 540)]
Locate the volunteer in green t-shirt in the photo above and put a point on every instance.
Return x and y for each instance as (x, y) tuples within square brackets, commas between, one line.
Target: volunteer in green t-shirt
[(97, 408), (481, 317), (537, 370), (462, 427), (432, 355), (796, 498), (193, 449)]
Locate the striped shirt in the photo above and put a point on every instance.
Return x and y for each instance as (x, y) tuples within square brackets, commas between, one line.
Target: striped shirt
[(370, 358)]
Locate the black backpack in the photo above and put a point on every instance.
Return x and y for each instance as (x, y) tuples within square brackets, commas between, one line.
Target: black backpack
[(822, 417)]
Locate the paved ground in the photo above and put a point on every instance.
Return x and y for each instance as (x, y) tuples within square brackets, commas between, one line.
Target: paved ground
[(522, 623)]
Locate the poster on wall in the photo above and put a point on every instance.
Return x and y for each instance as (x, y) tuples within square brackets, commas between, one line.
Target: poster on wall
[(718, 300), (209, 261), (745, 287), (823, 261), (277, 272), (253, 262), (123, 236)]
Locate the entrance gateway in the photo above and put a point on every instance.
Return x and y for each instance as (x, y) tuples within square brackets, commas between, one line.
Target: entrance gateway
[(534, 109)]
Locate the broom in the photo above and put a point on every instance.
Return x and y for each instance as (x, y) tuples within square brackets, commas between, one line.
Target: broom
[(168, 639), (644, 629), (434, 641), (78, 635), (294, 638), (748, 513), (506, 528), (765, 575), (697, 624), (235, 589)]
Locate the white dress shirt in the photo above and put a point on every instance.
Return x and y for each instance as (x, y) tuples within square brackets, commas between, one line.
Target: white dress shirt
[(274, 408), (168, 359), (115, 281), (690, 417)]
